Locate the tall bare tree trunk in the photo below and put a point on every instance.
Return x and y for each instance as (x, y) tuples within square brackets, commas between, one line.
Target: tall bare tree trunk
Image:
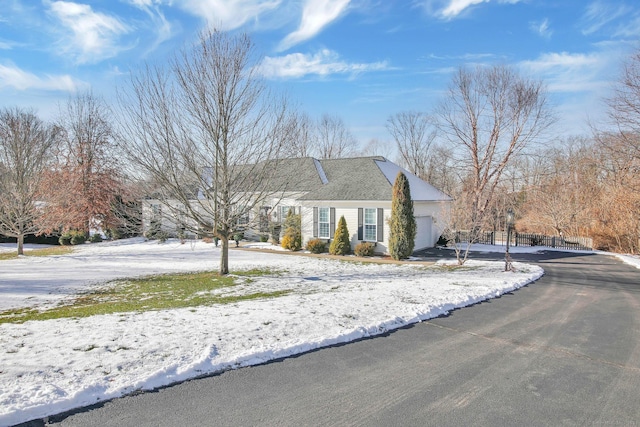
[(21, 244), (224, 258)]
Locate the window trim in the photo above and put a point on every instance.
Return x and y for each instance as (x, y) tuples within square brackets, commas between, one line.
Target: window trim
[(327, 222), (368, 225), (379, 225)]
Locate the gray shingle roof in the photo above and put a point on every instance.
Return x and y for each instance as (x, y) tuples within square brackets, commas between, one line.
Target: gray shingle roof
[(368, 178), (298, 175), (357, 178)]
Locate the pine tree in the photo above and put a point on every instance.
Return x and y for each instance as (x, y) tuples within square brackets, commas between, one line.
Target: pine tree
[(402, 224), (341, 244)]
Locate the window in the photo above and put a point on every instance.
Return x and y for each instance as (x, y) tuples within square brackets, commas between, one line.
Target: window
[(370, 224), (323, 223), (242, 217), (283, 211)]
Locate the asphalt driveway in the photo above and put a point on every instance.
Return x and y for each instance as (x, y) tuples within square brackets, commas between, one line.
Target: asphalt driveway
[(564, 350)]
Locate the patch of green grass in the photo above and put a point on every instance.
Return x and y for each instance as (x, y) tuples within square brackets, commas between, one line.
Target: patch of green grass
[(356, 261), (454, 267), (148, 294), (53, 250)]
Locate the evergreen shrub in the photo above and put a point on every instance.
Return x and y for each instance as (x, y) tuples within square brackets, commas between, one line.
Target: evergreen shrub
[(316, 246), (78, 237), (291, 242), (292, 238), (65, 239), (402, 224), (341, 244), (364, 249)]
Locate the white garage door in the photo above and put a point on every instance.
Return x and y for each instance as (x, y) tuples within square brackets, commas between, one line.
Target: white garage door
[(424, 237)]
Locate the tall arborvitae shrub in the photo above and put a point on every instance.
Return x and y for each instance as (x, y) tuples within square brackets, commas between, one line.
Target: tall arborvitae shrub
[(292, 238), (402, 224), (341, 244)]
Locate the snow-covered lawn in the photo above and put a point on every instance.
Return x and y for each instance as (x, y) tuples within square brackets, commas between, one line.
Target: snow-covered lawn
[(47, 367)]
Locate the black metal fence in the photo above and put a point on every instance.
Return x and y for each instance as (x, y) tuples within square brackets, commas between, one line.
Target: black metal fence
[(525, 239)]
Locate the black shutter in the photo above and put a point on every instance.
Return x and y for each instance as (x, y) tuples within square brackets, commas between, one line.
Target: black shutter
[(315, 222), (360, 221), (332, 222), (380, 225)]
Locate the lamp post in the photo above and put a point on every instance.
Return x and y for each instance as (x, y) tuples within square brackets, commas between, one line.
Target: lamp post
[(511, 218)]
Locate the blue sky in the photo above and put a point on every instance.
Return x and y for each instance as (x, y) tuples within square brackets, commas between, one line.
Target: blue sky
[(362, 60)]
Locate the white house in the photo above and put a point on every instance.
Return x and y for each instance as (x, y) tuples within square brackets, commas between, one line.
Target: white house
[(359, 189)]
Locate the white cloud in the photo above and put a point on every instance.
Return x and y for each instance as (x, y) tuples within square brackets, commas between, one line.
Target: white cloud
[(323, 63), (449, 9), (93, 35), (629, 29), (456, 7), (12, 76), (4, 45), (159, 23), (570, 72), (542, 28), (599, 14), (226, 14), (316, 15)]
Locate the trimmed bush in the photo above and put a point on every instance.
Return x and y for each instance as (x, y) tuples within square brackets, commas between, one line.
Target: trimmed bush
[(78, 237), (316, 246), (65, 239), (364, 249), (95, 238), (292, 238), (341, 244), (291, 242), (72, 237), (264, 238)]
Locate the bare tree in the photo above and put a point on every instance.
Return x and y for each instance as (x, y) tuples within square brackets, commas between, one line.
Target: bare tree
[(615, 207), (25, 149), (85, 182), (300, 136), (441, 170), (490, 115), (413, 133), (333, 138), (377, 147), (624, 105), (207, 132), (621, 135), (560, 201)]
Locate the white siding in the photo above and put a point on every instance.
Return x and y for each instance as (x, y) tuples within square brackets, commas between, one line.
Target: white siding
[(350, 212), (424, 233)]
